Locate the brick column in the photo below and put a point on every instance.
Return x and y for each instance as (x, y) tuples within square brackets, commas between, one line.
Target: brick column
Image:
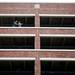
[(37, 43), (37, 24), (37, 40), (37, 18), (37, 66)]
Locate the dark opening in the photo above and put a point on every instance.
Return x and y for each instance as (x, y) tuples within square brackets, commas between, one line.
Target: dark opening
[(57, 42), (17, 42), (16, 67), (58, 67), (58, 21), (16, 21)]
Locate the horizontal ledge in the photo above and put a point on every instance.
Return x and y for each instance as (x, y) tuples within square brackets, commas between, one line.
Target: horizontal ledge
[(58, 59), (57, 35), (42, 35), (40, 27), (17, 35), (56, 27), (17, 58), (17, 14), (39, 15), (73, 15), (29, 58), (42, 50), (17, 49), (55, 50)]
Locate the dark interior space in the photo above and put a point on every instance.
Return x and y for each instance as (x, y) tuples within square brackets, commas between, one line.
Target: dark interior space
[(17, 42), (57, 42), (16, 21), (57, 21), (16, 67), (58, 67)]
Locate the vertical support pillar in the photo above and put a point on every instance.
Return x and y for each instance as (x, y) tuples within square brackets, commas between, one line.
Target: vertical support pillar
[(37, 24), (37, 66), (37, 40)]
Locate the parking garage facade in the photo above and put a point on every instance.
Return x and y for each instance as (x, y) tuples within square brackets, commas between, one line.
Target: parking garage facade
[(37, 39)]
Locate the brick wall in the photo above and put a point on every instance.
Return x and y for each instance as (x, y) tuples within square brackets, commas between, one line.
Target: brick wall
[(19, 8)]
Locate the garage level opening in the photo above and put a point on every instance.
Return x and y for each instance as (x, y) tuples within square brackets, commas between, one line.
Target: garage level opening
[(16, 42), (57, 67), (57, 42), (57, 21), (17, 21), (16, 67)]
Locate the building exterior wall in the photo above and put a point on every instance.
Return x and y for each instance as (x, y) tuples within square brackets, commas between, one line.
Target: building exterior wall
[(46, 8)]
